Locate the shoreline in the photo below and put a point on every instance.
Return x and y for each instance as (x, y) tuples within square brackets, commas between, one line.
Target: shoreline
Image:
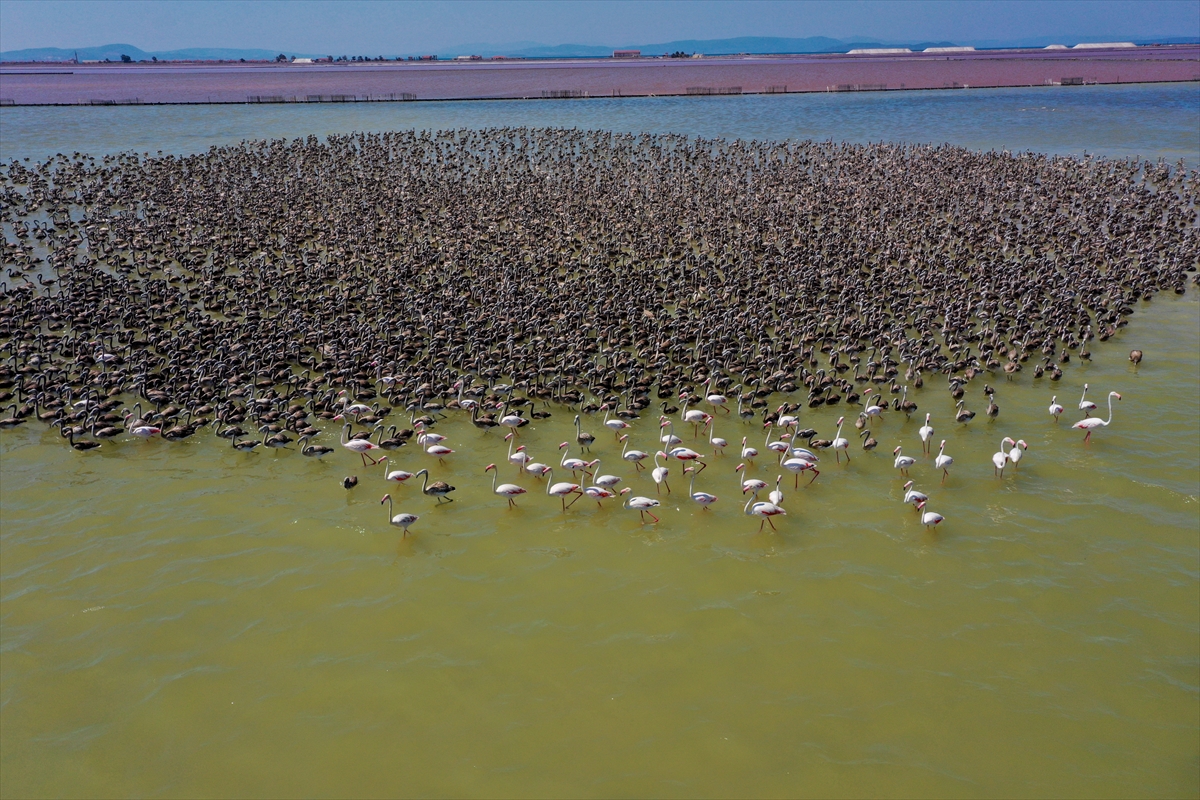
[(273, 84)]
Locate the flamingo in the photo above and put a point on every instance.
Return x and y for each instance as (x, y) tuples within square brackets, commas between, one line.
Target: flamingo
[(439, 450), (537, 469), (1017, 452), (703, 498), (561, 490), (669, 439), (929, 518), (519, 458), (360, 446), (659, 473), (779, 446), (902, 461), (1091, 423), (926, 433), (756, 508), (696, 417), (786, 420), (635, 456), (749, 484), (1001, 458), (872, 410), (714, 399), (1085, 405), (796, 465), (598, 493), (585, 439), (146, 431), (943, 461), (1055, 408), (427, 437), (509, 490), (841, 443), (776, 495), (313, 450), (911, 495), (641, 504), (746, 414), (401, 520), (397, 476), (684, 454), (604, 480), (438, 489), (513, 421), (573, 464), (718, 444), (614, 425), (748, 452)]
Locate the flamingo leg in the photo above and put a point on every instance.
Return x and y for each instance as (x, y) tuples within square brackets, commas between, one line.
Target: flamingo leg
[(772, 524), (760, 525), (945, 474), (652, 516), (796, 483), (814, 477), (668, 489), (577, 496)]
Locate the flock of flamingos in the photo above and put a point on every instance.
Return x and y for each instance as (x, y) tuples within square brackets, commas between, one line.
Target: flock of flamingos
[(786, 450)]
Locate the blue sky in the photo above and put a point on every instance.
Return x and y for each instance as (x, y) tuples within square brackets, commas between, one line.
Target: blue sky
[(381, 27)]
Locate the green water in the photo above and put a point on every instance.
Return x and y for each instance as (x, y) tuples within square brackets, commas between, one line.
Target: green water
[(181, 619)]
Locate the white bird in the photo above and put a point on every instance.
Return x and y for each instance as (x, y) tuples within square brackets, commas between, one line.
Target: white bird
[(520, 457), (440, 451), (911, 495), (943, 461), (360, 446), (776, 495), (684, 454), (714, 399), (1055, 408), (561, 490), (396, 476), (669, 439), (786, 420), (641, 504), (747, 451), (902, 461), (1017, 452), (926, 433), (614, 425), (573, 464), (841, 443), (1001, 458), (718, 444), (509, 490), (401, 520), (749, 484), (635, 456), (757, 508), (779, 446), (537, 469), (659, 474), (604, 480), (1091, 423), (1085, 405), (598, 493), (929, 518), (798, 464), (703, 498)]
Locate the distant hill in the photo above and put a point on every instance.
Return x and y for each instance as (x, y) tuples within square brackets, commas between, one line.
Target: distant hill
[(113, 52)]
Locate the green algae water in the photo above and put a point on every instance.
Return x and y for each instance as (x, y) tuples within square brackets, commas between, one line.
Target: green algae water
[(182, 619)]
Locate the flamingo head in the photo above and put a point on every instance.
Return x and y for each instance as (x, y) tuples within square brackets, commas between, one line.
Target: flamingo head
[(626, 489), (896, 452), (1114, 394), (339, 418), (687, 469), (384, 499), (920, 505), (507, 436), (664, 422), (521, 449), (623, 437), (739, 468), (561, 446), (841, 420), (1022, 445), (489, 466), (661, 454), (908, 485)]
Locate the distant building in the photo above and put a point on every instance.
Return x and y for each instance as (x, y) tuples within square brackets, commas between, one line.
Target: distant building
[(627, 54), (468, 58), (1102, 45), (302, 61), (427, 58), (879, 51), (948, 50)]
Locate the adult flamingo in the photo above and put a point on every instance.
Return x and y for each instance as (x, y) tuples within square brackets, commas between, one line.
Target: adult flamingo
[(911, 495), (669, 439), (636, 456), (360, 446), (1085, 405), (696, 417), (929, 518), (748, 484), (778, 446), (1001, 458), (615, 425), (797, 464), (749, 453), (715, 400), (718, 444), (518, 458), (926, 433), (440, 451), (685, 454), (1017, 452), (1055, 408), (573, 464), (841, 443), (396, 476), (604, 480), (508, 490), (400, 520), (902, 461), (703, 498), (759, 508), (1091, 423), (659, 473), (641, 504), (561, 490), (943, 461), (598, 493), (776, 494)]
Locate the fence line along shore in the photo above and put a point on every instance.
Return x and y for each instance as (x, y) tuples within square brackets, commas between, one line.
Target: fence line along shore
[(394, 81)]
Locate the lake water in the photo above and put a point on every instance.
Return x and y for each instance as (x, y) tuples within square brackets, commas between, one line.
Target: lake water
[(181, 619)]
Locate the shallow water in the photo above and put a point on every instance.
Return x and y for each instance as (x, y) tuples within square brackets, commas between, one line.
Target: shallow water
[(181, 619), (185, 619), (1150, 120)]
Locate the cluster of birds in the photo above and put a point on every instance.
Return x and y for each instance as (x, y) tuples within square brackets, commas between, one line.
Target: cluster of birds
[(510, 271)]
